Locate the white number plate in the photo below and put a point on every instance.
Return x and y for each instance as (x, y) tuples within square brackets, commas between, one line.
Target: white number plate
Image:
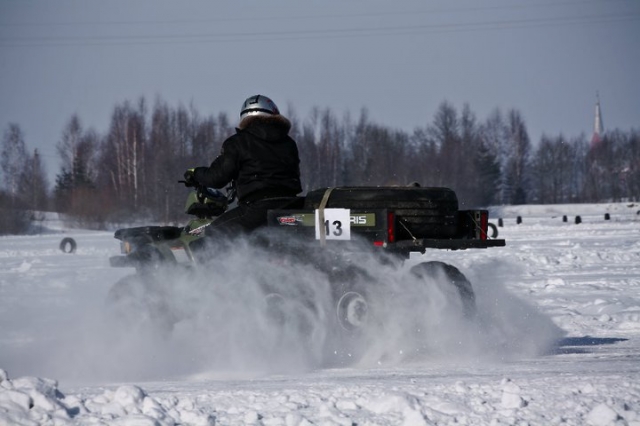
[(336, 226)]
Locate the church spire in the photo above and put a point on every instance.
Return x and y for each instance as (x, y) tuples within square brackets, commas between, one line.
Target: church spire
[(598, 129)]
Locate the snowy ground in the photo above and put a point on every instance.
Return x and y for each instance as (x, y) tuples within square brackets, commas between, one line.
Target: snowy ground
[(556, 340)]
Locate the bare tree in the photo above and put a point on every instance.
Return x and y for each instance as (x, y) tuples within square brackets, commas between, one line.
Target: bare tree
[(549, 169), (600, 165), (517, 176), (495, 137), (358, 153), (466, 159), (330, 147), (632, 167), (445, 133), (169, 151), (210, 132), (13, 159), (68, 145), (307, 149), (75, 184), (422, 161), (122, 154), (34, 183), (311, 170)]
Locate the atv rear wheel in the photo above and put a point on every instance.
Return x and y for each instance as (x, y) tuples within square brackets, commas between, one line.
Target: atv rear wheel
[(451, 276), (352, 310)]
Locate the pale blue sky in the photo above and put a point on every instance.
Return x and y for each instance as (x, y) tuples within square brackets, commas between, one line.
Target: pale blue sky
[(400, 59)]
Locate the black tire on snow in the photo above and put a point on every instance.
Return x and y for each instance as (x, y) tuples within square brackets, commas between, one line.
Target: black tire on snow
[(430, 212), (68, 245), (494, 230), (455, 278)]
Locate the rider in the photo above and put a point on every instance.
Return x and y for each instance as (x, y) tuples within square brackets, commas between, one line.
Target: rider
[(260, 160)]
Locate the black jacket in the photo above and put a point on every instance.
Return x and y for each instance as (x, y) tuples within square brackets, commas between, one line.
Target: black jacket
[(261, 159)]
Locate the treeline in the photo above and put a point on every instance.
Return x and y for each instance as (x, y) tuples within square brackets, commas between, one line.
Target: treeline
[(131, 171)]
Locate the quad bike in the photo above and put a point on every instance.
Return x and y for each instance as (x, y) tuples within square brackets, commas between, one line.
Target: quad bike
[(339, 232)]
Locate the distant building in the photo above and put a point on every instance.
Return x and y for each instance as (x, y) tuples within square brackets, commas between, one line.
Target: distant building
[(598, 129)]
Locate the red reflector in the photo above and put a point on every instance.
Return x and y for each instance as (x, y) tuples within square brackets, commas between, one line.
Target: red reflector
[(391, 227), (484, 224), (378, 243)]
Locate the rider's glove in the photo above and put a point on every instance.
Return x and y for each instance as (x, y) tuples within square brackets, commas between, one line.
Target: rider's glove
[(189, 179)]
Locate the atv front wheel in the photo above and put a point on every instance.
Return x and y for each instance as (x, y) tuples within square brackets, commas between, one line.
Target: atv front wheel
[(136, 301)]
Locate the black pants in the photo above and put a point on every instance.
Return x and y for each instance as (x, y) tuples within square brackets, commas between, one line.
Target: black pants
[(241, 220), (249, 216)]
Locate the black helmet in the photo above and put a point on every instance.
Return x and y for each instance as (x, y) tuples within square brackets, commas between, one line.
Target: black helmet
[(258, 105)]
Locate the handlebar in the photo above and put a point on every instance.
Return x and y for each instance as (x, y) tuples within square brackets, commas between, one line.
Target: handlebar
[(206, 192)]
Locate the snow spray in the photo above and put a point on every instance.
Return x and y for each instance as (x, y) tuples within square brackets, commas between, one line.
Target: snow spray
[(252, 312)]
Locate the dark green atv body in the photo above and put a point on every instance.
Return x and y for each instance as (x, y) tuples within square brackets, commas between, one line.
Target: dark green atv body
[(387, 223)]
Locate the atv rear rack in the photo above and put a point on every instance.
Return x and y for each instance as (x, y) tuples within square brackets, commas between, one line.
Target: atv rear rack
[(378, 226)]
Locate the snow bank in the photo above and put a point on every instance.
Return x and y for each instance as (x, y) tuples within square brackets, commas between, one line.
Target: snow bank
[(387, 397), (34, 401)]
